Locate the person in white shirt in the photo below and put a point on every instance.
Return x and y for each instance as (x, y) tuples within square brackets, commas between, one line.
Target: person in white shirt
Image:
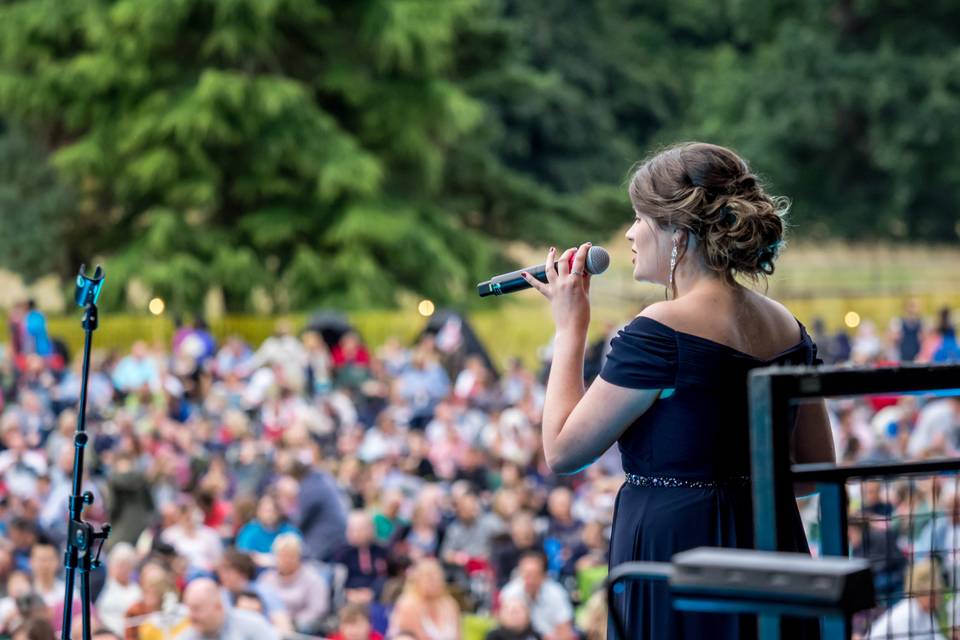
[(17, 586), (941, 538), (193, 540), (120, 592), (937, 424), (283, 350), (916, 616), (551, 612), (20, 466)]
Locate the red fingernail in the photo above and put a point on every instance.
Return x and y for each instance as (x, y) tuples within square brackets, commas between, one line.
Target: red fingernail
[(553, 248), (524, 274)]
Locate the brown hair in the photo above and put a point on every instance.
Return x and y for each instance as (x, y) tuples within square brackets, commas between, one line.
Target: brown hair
[(710, 191), (240, 562), (353, 611)]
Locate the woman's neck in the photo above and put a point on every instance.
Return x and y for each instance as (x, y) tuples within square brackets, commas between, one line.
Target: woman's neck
[(695, 278)]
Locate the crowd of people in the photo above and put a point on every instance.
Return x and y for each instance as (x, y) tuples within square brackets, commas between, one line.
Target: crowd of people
[(311, 486)]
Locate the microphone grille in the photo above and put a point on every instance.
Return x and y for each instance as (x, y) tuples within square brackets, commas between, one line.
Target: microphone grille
[(597, 260)]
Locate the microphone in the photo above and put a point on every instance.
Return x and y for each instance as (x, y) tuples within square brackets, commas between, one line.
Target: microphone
[(596, 263)]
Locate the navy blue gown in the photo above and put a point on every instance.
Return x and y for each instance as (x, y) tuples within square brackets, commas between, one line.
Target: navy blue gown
[(687, 465)]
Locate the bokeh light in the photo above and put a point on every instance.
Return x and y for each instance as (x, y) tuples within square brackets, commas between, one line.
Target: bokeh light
[(426, 308), (852, 319), (156, 306)]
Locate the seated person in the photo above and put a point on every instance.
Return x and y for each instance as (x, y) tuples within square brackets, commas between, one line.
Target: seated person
[(355, 624), (470, 535), (917, 615), (303, 591), (506, 554), (591, 551), (563, 531), (236, 572), (551, 611), (210, 618), (366, 562), (249, 601), (513, 622), (258, 535)]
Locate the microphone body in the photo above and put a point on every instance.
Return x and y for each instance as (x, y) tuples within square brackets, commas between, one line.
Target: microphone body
[(596, 263)]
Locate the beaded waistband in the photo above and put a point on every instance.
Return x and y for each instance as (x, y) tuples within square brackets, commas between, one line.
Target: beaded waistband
[(668, 481)]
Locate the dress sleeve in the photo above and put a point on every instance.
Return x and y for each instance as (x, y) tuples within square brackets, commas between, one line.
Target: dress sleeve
[(643, 355), (813, 356)]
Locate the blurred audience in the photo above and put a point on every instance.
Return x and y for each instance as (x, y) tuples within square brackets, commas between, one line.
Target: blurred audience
[(304, 485)]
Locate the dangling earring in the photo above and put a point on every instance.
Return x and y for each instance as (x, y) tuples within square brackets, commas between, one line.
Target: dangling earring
[(673, 266)]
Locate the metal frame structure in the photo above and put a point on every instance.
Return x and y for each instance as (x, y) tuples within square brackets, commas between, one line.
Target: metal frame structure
[(773, 392)]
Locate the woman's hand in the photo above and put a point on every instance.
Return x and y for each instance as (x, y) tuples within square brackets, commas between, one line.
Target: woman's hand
[(567, 289)]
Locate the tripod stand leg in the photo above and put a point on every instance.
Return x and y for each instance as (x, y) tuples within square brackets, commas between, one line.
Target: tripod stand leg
[(85, 602), (68, 601)]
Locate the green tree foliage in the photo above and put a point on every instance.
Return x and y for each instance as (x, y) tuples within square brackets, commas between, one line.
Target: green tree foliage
[(848, 107), (34, 207), (574, 97), (339, 151), (298, 144)]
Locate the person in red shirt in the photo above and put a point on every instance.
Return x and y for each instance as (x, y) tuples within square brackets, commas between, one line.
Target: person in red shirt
[(350, 351), (351, 360), (217, 511)]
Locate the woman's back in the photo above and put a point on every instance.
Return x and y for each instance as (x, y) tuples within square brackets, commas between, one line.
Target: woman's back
[(698, 428)]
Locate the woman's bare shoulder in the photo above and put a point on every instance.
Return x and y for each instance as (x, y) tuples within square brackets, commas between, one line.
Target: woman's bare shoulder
[(662, 311), (776, 313), (704, 315), (682, 314)]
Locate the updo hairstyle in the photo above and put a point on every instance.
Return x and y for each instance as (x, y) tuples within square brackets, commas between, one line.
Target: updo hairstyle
[(710, 191)]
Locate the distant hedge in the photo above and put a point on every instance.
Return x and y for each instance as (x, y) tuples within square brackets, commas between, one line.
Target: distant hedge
[(513, 330)]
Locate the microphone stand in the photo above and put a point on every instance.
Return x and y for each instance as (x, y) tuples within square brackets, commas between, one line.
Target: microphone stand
[(82, 536)]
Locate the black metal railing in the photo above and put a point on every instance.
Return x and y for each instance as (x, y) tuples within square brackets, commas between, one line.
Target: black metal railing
[(890, 536), (901, 518)]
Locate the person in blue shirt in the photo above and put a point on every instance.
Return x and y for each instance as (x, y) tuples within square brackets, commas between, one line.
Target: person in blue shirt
[(136, 370), (423, 384), (38, 341), (257, 536), (949, 350)]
